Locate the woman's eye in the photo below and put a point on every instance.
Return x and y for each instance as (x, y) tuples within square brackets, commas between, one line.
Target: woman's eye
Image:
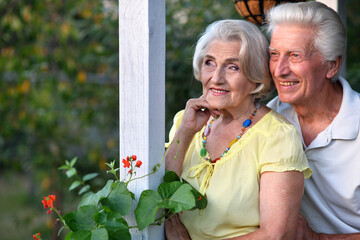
[(209, 63)]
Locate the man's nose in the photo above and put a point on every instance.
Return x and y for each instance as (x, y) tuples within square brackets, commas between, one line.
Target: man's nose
[(281, 67)]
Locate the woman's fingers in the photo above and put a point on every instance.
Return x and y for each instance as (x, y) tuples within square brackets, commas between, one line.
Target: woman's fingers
[(200, 104)]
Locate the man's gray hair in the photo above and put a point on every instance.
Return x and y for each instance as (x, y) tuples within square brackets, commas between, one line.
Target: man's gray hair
[(330, 33)]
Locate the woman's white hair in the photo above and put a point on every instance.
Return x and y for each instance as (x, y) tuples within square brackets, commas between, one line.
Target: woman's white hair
[(330, 33), (253, 55)]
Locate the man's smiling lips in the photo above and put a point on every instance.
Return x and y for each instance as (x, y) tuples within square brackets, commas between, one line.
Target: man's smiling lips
[(288, 83)]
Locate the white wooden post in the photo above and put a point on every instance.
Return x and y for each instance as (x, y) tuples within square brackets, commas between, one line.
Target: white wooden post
[(142, 95), (340, 7)]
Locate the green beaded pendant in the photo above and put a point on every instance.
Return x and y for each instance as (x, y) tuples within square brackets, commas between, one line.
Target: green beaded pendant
[(203, 152)]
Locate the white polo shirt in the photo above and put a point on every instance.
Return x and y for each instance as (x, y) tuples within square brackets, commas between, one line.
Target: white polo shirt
[(331, 201)]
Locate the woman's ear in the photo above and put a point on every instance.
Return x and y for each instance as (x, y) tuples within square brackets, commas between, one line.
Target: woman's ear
[(333, 67)]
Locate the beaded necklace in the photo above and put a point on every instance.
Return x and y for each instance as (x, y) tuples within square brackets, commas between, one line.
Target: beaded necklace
[(207, 131)]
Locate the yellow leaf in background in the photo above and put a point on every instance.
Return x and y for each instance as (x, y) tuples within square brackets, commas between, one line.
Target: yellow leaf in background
[(94, 156), (81, 77), (26, 14), (102, 164), (50, 223), (98, 18), (24, 87), (63, 86), (65, 29), (45, 184), (22, 114), (86, 13), (7, 51), (11, 91), (111, 143)]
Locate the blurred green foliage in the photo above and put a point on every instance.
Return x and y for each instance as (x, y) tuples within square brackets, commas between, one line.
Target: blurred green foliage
[(58, 88)]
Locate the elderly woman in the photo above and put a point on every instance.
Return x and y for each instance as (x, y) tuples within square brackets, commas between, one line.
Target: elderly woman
[(246, 159)]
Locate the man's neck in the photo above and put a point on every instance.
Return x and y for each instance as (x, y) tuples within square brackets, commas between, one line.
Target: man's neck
[(318, 113)]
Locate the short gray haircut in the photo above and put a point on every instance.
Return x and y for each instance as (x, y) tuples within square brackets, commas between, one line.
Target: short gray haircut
[(253, 55), (330, 33)]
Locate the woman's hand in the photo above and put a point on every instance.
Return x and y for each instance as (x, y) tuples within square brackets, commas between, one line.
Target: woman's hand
[(175, 230), (197, 113)]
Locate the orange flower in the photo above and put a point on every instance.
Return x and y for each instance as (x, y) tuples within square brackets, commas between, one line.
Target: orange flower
[(126, 163), (138, 163), (133, 157), (48, 201)]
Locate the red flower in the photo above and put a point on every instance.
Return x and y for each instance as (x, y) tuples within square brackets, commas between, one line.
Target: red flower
[(126, 163), (138, 163), (199, 198), (48, 201), (129, 172), (48, 212), (133, 157), (127, 158)]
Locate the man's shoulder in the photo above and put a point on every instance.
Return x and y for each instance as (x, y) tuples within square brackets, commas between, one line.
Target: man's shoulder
[(278, 106)]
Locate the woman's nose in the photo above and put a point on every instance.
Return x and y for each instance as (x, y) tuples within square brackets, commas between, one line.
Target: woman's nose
[(218, 76)]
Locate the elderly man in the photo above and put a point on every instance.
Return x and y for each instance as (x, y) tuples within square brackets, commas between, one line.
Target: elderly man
[(308, 42)]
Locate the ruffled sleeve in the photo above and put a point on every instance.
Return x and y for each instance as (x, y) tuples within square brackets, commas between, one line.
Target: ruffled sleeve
[(282, 151)]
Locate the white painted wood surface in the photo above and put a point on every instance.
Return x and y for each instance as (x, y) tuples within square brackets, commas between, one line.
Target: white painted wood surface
[(142, 94)]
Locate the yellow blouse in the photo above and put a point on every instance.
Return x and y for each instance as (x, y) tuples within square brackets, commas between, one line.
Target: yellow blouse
[(232, 183)]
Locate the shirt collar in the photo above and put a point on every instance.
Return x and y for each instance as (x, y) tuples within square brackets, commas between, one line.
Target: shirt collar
[(346, 123)]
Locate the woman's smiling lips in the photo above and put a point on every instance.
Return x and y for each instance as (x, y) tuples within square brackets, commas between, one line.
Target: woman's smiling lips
[(218, 91)]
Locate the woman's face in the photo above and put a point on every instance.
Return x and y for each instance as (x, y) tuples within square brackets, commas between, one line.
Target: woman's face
[(224, 85)]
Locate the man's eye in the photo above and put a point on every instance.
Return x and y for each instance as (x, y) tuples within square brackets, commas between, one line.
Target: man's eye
[(296, 57), (233, 67), (274, 55)]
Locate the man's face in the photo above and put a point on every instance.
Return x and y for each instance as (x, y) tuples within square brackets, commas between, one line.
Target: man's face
[(298, 70)]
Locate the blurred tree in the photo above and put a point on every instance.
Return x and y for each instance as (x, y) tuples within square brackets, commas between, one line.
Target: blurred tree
[(58, 88), (353, 48)]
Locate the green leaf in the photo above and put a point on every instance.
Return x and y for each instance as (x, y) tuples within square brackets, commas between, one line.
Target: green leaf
[(99, 234), (74, 185), (68, 236), (200, 200), (100, 217), (81, 235), (94, 198), (167, 189), (81, 219), (183, 199), (71, 172), (73, 161), (171, 176), (147, 207), (84, 189), (118, 229), (63, 167), (89, 176), (119, 200)]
